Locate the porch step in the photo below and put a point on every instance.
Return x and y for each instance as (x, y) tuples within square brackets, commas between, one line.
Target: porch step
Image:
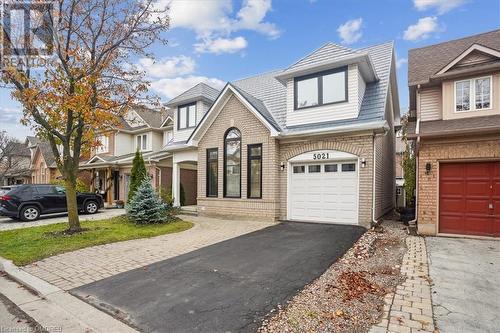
[(189, 210)]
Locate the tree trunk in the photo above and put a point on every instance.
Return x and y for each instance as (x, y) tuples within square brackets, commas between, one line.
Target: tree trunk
[(73, 219)]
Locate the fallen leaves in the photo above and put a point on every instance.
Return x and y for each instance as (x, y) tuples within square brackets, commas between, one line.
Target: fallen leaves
[(353, 285)]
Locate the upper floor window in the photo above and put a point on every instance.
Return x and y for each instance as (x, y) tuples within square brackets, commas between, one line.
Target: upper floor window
[(167, 137), (141, 142), (473, 94), (186, 117), (321, 88), (103, 146), (232, 164)]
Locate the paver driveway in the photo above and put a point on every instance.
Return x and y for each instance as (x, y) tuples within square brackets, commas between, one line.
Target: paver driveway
[(226, 287), (76, 268), (466, 284)]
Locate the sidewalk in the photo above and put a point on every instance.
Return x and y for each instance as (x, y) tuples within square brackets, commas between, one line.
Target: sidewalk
[(59, 311), (10, 224)]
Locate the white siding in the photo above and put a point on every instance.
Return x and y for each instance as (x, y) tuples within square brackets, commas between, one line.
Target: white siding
[(183, 135), (361, 90), (430, 104), (157, 140), (124, 144), (325, 113)]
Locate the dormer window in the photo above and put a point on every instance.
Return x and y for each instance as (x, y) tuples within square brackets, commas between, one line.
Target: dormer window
[(186, 117), (322, 88)]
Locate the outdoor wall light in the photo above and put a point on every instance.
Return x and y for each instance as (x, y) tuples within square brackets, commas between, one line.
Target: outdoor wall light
[(282, 166), (428, 168), (363, 162)]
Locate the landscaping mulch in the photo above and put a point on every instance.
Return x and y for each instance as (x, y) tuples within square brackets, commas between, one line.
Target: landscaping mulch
[(348, 297)]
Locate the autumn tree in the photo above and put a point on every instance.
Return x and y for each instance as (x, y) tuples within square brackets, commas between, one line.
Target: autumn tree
[(90, 78)]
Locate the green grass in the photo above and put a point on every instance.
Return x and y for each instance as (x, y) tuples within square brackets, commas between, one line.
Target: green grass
[(24, 246)]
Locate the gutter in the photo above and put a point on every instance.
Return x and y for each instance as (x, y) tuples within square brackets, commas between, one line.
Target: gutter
[(382, 124)]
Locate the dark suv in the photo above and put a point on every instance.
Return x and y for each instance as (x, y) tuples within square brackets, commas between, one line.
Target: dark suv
[(28, 202)]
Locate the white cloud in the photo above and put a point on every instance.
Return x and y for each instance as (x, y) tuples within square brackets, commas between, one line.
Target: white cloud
[(10, 115), (9, 122), (350, 31), (400, 62), (171, 87), (167, 67), (422, 29), (215, 19), (221, 45), (442, 6)]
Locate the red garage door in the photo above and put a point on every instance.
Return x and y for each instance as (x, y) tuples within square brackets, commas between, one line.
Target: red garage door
[(469, 198)]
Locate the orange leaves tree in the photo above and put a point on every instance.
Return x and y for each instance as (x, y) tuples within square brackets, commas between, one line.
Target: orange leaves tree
[(89, 80)]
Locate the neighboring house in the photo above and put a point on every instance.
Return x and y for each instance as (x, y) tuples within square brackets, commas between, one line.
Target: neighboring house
[(312, 142), (16, 167), (110, 163), (43, 164), (400, 180), (455, 97)]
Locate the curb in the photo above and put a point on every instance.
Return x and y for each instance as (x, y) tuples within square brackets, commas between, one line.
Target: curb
[(39, 286)]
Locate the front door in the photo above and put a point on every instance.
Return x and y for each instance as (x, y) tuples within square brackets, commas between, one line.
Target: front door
[(469, 198)]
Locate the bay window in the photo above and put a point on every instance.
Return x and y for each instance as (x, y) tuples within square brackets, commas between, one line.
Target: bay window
[(232, 164), (254, 170), (323, 88), (212, 172), (186, 117), (473, 94)]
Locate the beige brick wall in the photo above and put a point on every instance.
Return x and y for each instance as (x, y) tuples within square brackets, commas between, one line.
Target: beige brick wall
[(361, 146), (433, 151), (235, 114)]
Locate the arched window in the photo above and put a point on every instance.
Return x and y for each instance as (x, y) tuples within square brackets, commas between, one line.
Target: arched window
[(232, 163)]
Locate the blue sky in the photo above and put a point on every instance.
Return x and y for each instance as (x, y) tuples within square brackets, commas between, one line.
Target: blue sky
[(222, 40)]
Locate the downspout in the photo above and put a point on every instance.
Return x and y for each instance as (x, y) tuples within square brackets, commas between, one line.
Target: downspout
[(413, 223)]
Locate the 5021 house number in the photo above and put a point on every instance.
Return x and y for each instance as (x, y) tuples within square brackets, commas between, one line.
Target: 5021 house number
[(321, 156)]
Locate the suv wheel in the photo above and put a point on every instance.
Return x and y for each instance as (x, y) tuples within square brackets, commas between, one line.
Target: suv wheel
[(91, 207), (30, 213)]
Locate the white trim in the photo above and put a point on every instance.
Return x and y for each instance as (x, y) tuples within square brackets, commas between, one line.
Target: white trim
[(475, 47), (382, 124), (472, 94), (93, 158), (163, 122), (218, 106)]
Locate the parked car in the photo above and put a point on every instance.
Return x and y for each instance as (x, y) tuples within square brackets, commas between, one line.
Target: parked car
[(28, 202)]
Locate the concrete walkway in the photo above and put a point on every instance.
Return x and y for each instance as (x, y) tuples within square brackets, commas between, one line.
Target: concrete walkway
[(466, 284), (77, 268), (10, 224)]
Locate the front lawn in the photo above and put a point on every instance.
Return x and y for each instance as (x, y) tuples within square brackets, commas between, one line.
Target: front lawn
[(24, 246)]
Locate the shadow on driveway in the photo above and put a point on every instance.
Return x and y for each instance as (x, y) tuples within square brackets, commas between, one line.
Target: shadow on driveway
[(226, 287)]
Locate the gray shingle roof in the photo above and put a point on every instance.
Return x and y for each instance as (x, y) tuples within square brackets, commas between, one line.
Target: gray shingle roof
[(326, 52), (427, 61), (47, 154), (271, 93), (456, 126), (201, 90)]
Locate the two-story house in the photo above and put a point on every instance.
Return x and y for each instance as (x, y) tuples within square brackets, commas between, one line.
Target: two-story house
[(312, 142), (140, 129), (455, 101)]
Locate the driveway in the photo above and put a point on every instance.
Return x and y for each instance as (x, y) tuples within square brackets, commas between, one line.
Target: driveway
[(226, 287), (9, 224), (466, 284)]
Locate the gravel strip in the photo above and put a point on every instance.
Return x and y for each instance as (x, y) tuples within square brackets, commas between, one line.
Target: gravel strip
[(349, 296)]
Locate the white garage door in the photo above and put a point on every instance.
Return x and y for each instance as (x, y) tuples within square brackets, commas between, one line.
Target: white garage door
[(324, 192)]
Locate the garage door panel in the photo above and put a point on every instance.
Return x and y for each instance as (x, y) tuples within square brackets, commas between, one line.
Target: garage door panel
[(324, 196), (469, 201), (451, 186)]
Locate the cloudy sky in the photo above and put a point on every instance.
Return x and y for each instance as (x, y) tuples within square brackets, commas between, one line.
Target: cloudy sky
[(216, 41)]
